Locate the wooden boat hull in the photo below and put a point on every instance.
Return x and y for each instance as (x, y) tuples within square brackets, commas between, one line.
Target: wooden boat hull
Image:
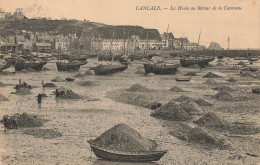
[(109, 69), (69, 66), (2, 67), (122, 156), (182, 79), (160, 69), (200, 62), (37, 66)]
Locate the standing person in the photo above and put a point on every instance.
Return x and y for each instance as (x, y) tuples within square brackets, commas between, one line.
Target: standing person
[(20, 81), (42, 84), (39, 99)]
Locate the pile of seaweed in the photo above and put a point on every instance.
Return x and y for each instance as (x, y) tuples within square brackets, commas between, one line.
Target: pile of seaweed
[(191, 74), (138, 88), (64, 93), (248, 74), (231, 80), (43, 133), (89, 72), (211, 120), (140, 71), (220, 65), (191, 108), (58, 79), (122, 137), (89, 83), (183, 98), (196, 135), (24, 120), (22, 91), (1, 84), (150, 75), (49, 85), (211, 75), (223, 88), (241, 63), (223, 96), (177, 89), (202, 102), (171, 111), (3, 98), (211, 82)]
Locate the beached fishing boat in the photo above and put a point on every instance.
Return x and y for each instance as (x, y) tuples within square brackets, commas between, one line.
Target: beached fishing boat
[(109, 69), (183, 79), (160, 68), (201, 61), (34, 65), (253, 59), (69, 66), (126, 156), (4, 66)]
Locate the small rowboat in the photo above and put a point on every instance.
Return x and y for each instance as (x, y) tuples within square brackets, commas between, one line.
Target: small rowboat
[(126, 156), (183, 79)]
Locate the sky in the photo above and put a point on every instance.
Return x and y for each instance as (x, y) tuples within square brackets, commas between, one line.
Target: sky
[(242, 26)]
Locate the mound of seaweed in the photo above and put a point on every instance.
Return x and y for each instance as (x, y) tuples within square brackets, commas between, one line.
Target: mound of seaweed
[(191, 74), (177, 89), (231, 80), (191, 108), (88, 83), (220, 60), (202, 102), (58, 79), (79, 75), (153, 105), (140, 71), (43, 133), (200, 136), (223, 88), (223, 96), (133, 98), (24, 120), (196, 135), (22, 91), (124, 138), (211, 75), (49, 85), (220, 64), (171, 111), (211, 120), (138, 88), (1, 84), (89, 72), (248, 74), (64, 93), (3, 98), (211, 82), (183, 98)]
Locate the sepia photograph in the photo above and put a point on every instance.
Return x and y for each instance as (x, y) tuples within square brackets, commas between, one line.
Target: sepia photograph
[(129, 82)]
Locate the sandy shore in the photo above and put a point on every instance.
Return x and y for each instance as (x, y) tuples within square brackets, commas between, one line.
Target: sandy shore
[(83, 119)]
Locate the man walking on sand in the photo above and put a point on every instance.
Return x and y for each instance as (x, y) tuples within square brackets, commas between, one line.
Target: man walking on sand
[(39, 99)]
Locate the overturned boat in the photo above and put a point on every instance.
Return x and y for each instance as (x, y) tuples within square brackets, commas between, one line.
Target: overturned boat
[(126, 156), (34, 65), (201, 61), (68, 66), (160, 68), (109, 69)]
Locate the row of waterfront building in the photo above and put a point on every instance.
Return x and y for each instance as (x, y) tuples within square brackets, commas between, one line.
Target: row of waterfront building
[(45, 42)]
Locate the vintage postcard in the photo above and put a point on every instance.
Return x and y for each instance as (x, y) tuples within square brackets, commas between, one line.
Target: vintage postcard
[(120, 82)]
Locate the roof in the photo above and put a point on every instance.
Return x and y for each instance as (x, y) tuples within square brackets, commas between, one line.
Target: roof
[(43, 44), (190, 44)]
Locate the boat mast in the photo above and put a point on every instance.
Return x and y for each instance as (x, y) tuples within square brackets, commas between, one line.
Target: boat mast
[(166, 39), (124, 41), (128, 43)]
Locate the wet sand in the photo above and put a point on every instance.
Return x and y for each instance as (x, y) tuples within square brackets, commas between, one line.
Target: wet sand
[(81, 120)]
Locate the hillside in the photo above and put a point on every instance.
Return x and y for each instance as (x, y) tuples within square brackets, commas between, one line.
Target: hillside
[(65, 27)]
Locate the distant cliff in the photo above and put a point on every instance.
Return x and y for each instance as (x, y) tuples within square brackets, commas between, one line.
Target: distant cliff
[(73, 26)]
